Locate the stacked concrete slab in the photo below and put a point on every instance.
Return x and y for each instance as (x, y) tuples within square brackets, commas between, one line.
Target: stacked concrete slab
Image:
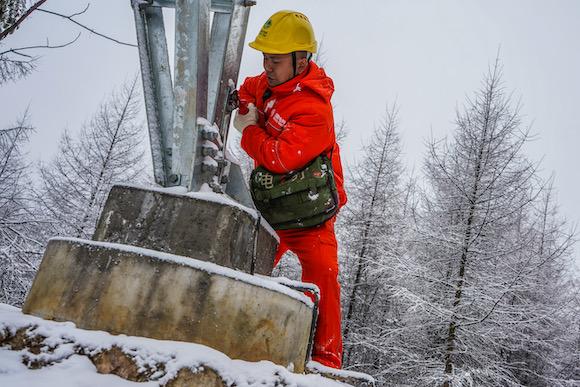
[(177, 266)]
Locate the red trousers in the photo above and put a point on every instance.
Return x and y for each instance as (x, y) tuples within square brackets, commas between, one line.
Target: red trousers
[(316, 249)]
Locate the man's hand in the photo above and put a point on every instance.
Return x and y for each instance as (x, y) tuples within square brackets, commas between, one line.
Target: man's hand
[(242, 121)]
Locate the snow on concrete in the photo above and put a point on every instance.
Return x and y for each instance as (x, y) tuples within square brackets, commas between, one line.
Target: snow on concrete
[(207, 195), (344, 374), (70, 370), (208, 267), (292, 284)]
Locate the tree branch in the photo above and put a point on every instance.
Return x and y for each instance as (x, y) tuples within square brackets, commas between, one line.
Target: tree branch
[(14, 26), (70, 18), (47, 45)]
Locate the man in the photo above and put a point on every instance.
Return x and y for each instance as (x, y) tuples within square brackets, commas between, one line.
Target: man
[(286, 121)]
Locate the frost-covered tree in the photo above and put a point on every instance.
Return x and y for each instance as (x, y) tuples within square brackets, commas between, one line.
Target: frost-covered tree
[(15, 63), (18, 62), (548, 345), (19, 246), (470, 278), (370, 229), (74, 185), (10, 12)]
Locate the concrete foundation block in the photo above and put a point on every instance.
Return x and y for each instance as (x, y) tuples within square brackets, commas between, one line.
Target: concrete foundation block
[(196, 225), (134, 291)]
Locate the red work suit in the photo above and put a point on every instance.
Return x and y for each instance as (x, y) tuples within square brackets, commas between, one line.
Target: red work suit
[(295, 125)]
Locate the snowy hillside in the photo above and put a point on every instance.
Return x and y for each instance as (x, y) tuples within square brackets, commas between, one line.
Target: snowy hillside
[(36, 352)]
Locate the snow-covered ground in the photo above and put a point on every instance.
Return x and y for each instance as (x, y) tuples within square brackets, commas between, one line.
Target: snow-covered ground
[(67, 369)]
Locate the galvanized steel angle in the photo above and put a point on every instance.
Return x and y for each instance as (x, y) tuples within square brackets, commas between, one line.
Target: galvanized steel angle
[(190, 89), (161, 74), (222, 6), (155, 135), (229, 75)]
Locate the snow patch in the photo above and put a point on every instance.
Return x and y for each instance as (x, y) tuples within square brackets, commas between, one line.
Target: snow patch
[(75, 370), (207, 160), (210, 144), (293, 283), (345, 374)]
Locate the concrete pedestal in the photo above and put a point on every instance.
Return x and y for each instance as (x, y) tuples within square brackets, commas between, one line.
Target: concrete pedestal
[(139, 292), (193, 225)]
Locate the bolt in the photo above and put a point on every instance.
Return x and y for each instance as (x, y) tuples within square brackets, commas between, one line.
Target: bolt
[(212, 169), (173, 179), (210, 136)]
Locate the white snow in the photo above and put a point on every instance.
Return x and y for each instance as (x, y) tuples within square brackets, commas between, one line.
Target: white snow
[(210, 128), (208, 267), (315, 366), (206, 124), (209, 144), (230, 152), (207, 160), (77, 371), (69, 370), (292, 283)]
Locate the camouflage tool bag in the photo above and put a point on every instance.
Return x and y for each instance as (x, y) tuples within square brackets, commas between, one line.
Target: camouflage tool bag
[(300, 199)]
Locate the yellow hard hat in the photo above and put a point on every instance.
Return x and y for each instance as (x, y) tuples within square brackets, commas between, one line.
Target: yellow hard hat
[(285, 32)]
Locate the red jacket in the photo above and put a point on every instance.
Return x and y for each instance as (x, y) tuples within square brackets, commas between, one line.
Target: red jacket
[(295, 123)]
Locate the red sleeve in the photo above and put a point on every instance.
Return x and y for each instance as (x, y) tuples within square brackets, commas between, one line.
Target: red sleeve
[(247, 92), (305, 136)]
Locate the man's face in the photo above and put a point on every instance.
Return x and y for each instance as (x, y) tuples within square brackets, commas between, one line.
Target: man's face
[(278, 68)]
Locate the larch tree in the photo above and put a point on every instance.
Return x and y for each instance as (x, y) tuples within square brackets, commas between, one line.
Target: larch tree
[(20, 248), (541, 355), (74, 185), (12, 67), (18, 62), (370, 228), (472, 258)]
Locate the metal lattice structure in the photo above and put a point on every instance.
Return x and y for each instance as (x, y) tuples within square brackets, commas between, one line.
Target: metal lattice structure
[(189, 118)]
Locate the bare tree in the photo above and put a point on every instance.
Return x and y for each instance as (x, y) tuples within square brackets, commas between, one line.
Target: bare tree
[(19, 247), (109, 149)]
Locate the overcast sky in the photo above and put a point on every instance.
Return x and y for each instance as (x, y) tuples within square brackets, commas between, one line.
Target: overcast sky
[(428, 55)]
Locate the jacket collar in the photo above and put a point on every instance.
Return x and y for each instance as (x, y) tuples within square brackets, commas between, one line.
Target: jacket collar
[(290, 85)]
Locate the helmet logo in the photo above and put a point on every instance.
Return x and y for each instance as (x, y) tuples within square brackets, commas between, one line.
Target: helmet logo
[(263, 33)]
